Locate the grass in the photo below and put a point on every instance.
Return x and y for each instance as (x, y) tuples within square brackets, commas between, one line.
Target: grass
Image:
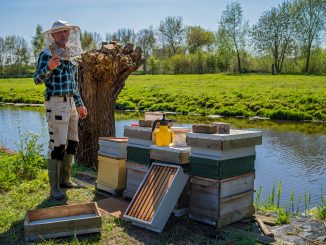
[(289, 97)]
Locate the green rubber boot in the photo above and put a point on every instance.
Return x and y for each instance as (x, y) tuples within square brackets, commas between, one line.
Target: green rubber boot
[(65, 175), (54, 167)]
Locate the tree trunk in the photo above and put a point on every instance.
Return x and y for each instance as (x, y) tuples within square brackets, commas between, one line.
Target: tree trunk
[(102, 75)]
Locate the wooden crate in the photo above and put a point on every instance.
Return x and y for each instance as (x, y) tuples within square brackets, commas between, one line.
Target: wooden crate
[(138, 155), (221, 169), (138, 136), (177, 155), (113, 147), (238, 143), (111, 174), (221, 202), (61, 221), (135, 175)]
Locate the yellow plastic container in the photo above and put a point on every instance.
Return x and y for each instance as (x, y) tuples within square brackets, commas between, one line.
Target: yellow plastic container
[(111, 172), (163, 136)]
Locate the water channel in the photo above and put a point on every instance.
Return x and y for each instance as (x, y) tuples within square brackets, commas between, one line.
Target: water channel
[(294, 153)]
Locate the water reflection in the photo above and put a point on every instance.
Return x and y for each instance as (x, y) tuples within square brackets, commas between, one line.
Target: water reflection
[(294, 153)]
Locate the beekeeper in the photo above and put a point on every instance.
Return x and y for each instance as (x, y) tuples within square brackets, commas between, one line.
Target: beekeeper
[(57, 69)]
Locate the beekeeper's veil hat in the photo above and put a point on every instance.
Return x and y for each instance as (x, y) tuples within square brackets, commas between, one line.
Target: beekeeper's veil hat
[(65, 40)]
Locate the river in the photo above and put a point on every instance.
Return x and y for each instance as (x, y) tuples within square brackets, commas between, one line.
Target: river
[(293, 153)]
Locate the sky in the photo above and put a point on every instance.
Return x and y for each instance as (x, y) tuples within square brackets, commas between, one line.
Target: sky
[(20, 17)]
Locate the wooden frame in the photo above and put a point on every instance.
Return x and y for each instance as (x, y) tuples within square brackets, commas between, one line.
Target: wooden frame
[(61, 221)]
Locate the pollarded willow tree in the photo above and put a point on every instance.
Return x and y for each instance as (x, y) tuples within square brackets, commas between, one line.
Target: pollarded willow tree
[(102, 75)]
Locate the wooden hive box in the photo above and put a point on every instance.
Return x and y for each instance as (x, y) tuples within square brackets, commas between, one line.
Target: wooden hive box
[(135, 175), (177, 155), (239, 143), (111, 174), (138, 136), (61, 221), (113, 147), (155, 198), (138, 155), (221, 169), (221, 202)]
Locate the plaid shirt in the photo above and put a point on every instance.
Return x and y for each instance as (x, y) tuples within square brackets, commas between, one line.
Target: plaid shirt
[(59, 81)]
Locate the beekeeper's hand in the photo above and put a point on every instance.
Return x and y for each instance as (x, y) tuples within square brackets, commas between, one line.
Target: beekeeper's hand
[(82, 110), (54, 62)]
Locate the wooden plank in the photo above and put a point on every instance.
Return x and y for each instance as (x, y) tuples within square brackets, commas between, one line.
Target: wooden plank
[(70, 225), (239, 143), (147, 188), (141, 195), (61, 211), (170, 156), (138, 132), (169, 177), (151, 198), (237, 185), (204, 143)]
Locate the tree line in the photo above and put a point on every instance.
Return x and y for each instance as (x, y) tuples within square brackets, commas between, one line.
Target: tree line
[(288, 38)]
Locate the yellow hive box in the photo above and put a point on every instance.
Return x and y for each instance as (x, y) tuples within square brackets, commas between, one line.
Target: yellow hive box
[(111, 175)]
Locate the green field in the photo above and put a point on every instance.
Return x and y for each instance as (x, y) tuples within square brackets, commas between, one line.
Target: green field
[(290, 97)]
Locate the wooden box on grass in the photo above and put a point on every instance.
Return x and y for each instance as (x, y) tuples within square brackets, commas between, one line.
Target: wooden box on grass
[(221, 202), (135, 175), (61, 221), (111, 174)]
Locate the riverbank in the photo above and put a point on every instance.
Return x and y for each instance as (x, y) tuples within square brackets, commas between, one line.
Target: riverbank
[(288, 97)]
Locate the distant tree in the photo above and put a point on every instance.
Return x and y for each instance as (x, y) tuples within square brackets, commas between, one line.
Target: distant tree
[(146, 40), (172, 32), (224, 50), (21, 54), (90, 40), (123, 36), (309, 24), (37, 42), (2, 55), (197, 38), (235, 27), (273, 33)]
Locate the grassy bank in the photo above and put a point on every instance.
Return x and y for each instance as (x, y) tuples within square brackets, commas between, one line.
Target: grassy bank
[(289, 97)]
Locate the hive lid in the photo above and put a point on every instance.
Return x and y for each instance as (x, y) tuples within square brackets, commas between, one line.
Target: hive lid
[(234, 135)]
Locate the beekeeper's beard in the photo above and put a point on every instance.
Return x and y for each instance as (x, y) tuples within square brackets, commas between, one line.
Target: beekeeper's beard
[(61, 42)]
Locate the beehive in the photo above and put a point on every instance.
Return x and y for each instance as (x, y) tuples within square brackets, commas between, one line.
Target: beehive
[(156, 197), (221, 202), (111, 175)]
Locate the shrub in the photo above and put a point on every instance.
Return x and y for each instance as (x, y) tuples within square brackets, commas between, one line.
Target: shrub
[(23, 165)]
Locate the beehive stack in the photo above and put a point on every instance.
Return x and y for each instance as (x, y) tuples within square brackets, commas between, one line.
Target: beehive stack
[(111, 175), (222, 168), (138, 157)]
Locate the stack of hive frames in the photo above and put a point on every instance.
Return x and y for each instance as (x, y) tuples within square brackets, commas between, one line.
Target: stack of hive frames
[(156, 197)]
